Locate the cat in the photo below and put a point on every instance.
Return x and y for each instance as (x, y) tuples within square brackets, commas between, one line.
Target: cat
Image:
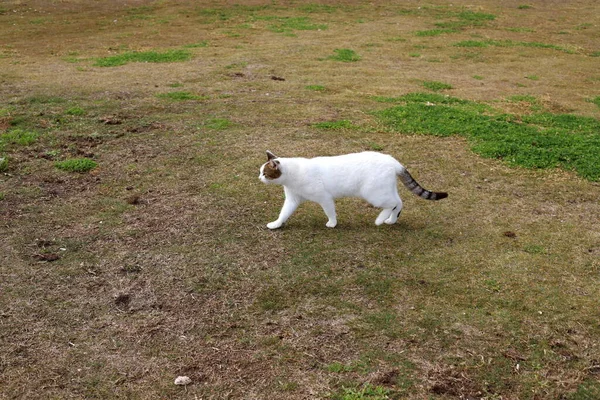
[(368, 175)]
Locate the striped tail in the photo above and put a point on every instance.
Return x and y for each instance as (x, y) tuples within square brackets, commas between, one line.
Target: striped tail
[(417, 189)]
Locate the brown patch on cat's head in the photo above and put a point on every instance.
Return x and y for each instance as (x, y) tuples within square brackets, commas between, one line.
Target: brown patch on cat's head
[(271, 169)]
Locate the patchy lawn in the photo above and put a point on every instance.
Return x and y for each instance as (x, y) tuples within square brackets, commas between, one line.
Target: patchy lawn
[(133, 239)]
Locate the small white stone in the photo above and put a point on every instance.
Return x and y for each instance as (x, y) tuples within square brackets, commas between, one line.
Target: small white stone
[(183, 380)]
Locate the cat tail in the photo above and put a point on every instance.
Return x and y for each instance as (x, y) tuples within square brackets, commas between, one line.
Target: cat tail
[(417, 189)]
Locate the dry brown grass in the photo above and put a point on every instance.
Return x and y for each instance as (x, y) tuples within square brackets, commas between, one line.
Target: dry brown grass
[(165, 266)]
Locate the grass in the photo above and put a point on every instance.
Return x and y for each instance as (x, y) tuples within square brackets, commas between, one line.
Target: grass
[(218, 124), (19, 137), (460, 21), (80, 165), (290, 24), (511, 43), (434, 32), (3, 165), (203, 43), (76, 111), (180, 96), (540, 140), (436, 86), (157, 263), (167, 56), (344, 55), (335, 125), (366, 392)]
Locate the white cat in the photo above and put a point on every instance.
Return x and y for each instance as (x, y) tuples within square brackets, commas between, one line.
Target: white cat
[(368, 175)]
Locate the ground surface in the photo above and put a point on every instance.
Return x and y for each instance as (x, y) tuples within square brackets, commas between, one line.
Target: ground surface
[(157, 262)]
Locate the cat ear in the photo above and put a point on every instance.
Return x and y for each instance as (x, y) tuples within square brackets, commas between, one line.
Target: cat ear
[(273, 164), (270, 155)]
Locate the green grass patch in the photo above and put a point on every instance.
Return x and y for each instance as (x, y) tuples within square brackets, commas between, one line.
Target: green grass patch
[(534, 249), (511, 43), (76, 165), (474, 43), (461, 21), (344, 55), (365, 392), (376, 146), (180, 96), (475, 17), (521, 30), (218, 124), (436, 86), (196, 45), (144, 57), (596, 101), (335, 125), (19, 137), (43, 99), (315, 88), (434, 32), (541, 140), (77, 111)]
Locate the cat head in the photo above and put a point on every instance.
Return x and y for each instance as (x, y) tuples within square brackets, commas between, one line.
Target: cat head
[(271, 170)]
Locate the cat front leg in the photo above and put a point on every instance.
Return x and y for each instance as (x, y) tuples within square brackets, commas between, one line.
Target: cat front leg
[(290, 205), (383, 216), (328, 206)]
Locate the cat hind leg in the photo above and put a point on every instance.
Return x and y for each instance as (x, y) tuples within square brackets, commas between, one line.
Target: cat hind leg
[(395, 214), (388, 200)]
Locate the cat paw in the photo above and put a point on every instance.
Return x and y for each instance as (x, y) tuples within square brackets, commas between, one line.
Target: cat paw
[(390, 221), (274, 225), (331, 224), (378, 222)]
